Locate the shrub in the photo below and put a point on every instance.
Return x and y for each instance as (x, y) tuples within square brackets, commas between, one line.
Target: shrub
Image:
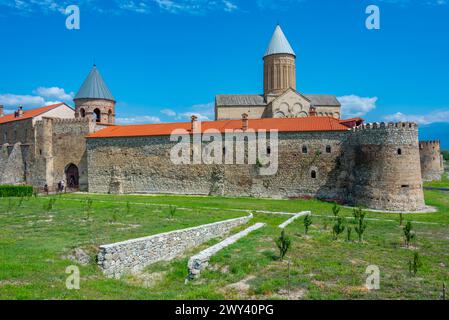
[(89, 204), (415, 264), (348, 234), (7, 191), (283, 243), (409, 234), (11, 204), (338, 227), (171, 212), (307, 223), (336, 209), (49, 205), (360, 224)]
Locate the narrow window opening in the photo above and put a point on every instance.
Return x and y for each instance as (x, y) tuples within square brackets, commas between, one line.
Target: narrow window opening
[(313, 174)]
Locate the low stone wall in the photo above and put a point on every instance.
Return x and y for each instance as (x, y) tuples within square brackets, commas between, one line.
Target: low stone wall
[(134, 255), (200, 261), (296, 216)]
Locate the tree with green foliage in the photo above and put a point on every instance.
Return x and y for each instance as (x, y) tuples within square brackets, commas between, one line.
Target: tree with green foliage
[(409, 234), (283, 243), (359, 221), (338, 227), (307, 223), (414, 264), (445, 155)]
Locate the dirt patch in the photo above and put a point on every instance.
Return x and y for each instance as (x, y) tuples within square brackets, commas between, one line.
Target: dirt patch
[(16, 283), (242, 287), (353, 290), (295, 294), (147, 280), (80, 256)]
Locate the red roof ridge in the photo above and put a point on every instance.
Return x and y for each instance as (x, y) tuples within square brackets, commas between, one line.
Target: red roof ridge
[(28, 114), (307, 124)]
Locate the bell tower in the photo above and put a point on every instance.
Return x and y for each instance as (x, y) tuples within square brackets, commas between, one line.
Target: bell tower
[(94, 100), (279, 65)]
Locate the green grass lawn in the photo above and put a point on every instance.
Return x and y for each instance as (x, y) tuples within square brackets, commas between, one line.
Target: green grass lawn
[(443, 183), (34, 244)]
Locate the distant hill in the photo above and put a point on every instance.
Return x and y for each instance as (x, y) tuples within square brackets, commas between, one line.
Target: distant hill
[(436, 131)]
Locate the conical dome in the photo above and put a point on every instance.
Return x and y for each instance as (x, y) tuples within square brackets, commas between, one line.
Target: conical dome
[(94, 87), (279, 44)]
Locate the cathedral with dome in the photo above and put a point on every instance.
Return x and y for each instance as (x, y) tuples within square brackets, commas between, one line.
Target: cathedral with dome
[(280, 98)]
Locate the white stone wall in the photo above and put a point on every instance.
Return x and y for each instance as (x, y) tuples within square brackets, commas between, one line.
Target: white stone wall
[(134, 255)]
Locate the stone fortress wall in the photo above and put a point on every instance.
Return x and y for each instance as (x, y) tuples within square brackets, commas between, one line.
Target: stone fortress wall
[(376, 165), (432, 164)]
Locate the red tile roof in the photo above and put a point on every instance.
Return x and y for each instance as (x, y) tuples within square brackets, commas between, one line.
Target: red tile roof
[(28, 114), (308, 124)]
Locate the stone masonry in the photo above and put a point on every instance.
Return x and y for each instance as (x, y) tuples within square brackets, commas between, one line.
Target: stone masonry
[(134, 255)]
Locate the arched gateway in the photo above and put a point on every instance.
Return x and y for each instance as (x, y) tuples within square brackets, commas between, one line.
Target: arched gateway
[(72, 176)]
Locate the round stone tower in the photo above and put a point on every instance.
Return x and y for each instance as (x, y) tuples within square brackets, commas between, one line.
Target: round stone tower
[(432, 167), (384, 167), (279, 65), (94, 100)]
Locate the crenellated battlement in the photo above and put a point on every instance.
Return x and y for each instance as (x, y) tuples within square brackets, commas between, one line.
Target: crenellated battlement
[(429, 143), (386, 126), (63, 121)]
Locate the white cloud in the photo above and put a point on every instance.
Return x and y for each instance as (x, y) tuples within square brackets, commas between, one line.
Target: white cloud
[(118, 6), (54, 93), (168, 112), (229, 6), (42, 97), (135, 6), (204, 112), (355, 106), (138, 120), (13, 100), (437, 116)]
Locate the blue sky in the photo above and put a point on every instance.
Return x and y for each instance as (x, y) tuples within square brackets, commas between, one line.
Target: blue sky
[(166, 59)]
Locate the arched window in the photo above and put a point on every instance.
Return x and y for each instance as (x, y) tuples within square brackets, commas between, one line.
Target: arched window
[(328, 149), (304, 149), (268, 150), (82, 113), (399, 151), (110, 116), (97, 115), (313, 174)]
